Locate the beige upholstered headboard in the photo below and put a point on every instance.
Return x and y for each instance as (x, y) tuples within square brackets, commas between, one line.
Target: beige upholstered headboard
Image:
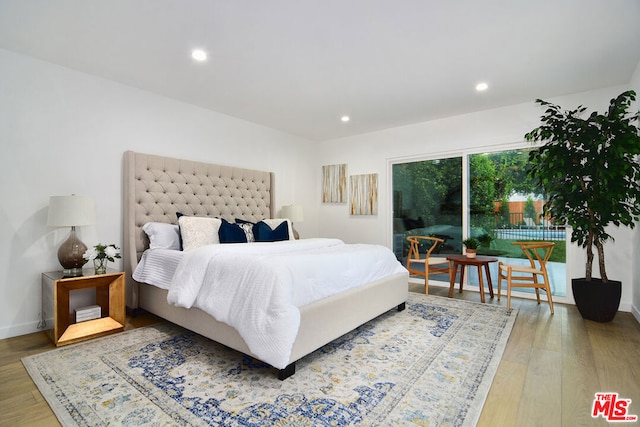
[(156, 187)]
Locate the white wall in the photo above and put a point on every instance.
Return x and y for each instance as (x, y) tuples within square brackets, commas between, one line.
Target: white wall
[(371, 153), (635, 246), (65, 132)]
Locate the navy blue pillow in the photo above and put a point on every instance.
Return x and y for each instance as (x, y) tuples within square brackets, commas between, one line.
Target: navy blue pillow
[(179, 214), (231, 233), (263, 233)]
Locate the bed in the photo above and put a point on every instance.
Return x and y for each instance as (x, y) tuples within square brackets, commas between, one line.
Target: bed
[(156, 188)]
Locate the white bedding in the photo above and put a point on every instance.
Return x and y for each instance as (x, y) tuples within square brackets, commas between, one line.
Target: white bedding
[(258, 287), (157, 266)]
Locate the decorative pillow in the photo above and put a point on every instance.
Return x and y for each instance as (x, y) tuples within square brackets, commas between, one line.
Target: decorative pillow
[(198, 231), (272, 230), (235, 233), (247, 227), (162, 235), (178, 215), (274, 222)]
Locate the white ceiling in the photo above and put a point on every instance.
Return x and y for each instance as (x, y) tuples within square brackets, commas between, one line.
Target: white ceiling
[(299, 65)]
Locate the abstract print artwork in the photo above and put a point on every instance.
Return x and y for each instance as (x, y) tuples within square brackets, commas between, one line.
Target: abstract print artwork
[(334, 183), (364, 194)]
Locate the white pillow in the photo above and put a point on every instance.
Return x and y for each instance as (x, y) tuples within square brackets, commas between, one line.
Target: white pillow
[(162, 235), (275, 222), (198, 231)]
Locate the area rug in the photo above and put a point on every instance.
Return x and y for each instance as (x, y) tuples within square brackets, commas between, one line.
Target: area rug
[(431, 364)]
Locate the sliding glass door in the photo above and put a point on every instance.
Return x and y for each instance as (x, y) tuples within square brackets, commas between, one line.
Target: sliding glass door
[(427, 201), (495, 203), (507, 206)]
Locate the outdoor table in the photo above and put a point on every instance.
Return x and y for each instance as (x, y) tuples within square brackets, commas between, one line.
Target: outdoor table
[(463, 261)]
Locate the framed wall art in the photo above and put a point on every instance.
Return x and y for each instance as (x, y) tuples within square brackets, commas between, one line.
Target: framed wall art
[(334, 183), (364, 194)]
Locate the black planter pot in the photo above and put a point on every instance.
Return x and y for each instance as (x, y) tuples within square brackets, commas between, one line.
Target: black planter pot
[(595, 300)]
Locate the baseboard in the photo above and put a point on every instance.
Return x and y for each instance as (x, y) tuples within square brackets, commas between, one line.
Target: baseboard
[(17, 330), (635, 312), (624, 306)]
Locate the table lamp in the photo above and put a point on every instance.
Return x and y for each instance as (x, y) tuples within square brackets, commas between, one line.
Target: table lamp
[(71, 211), (294, 214)]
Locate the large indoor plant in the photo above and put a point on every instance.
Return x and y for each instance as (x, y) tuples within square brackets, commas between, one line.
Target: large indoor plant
[(589, 168)]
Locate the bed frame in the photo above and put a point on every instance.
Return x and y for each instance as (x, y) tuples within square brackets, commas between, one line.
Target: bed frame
[(156, 187)]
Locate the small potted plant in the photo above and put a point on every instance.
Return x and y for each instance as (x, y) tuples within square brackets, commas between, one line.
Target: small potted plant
[(589, 167), (471, 244)]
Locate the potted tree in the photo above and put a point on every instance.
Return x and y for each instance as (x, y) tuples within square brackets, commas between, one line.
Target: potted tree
[(590, 169), (471, 244)]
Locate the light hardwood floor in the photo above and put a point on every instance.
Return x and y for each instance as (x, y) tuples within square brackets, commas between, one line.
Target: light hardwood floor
[(549, 373)]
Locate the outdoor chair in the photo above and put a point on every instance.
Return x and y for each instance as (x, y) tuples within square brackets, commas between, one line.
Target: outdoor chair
[(431, 264), (533, 275)]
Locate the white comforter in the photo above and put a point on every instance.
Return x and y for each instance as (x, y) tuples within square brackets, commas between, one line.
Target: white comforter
[(258, 287)]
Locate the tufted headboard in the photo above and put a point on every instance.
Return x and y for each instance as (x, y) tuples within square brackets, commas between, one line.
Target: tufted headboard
[(156, 187)]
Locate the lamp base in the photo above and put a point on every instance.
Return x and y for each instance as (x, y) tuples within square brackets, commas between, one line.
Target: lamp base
[(72, 272), (70, 255)]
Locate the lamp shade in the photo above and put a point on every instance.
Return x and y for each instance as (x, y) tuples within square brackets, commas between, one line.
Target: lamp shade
[(293, 213), (70, 211)]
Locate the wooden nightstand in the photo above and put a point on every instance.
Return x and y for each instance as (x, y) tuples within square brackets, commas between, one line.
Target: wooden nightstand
[(110, 296)]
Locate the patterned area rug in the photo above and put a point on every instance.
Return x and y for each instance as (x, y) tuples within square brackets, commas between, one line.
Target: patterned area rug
[(431, 364)]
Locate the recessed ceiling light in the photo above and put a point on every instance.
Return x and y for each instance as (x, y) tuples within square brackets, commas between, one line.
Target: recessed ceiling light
[(199, 55), (480, 87), (345, 118)]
